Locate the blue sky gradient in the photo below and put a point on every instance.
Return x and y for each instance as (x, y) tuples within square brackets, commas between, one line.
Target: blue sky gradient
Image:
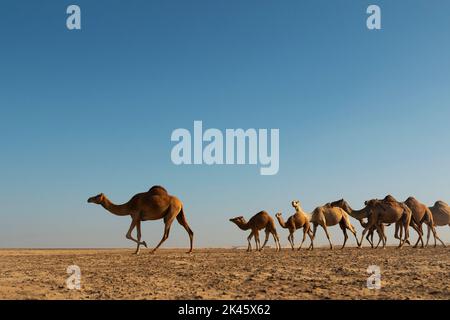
[(361, 113)]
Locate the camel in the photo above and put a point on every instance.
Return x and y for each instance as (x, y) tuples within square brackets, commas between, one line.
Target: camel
[(154, 204), (441, 216), (261, 220), (360, 215), (388, 211), (422, 214), (298, 220), (328, 215)]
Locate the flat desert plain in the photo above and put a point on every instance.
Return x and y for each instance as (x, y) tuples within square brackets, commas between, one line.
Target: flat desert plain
[(226, 274)]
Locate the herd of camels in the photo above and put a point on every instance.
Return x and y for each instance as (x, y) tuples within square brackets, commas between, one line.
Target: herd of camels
[(157, 204)]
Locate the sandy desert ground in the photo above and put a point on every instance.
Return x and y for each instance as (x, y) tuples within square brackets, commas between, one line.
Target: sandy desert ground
[(225, 274)]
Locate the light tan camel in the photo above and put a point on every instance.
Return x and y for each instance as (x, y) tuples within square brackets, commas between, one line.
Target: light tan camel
[(298, 220), (261, 220), (441, 213), (154, 204), (329, 215), (388, 211), (422, 214), (360, 215), (441, 216)]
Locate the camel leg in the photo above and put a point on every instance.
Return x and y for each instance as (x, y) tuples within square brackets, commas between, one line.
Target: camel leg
[(138, 236), (421, 236), (266, 239), (383, 238), (277, 241), (371, 238), (379, 241), (405, 225), (350, 227), (291, 240), (418, 229), (381, 235), (310, 233), (433, 229), (368, 237), (428, 236), (168, 224), (401, 235), (398, 228), (258, 244), (181, 218), (362, 237), (344, 230), (138, 229), (134, 222), (311, 246), (366, 229), (249, 238), (305, 231), (324, 226)]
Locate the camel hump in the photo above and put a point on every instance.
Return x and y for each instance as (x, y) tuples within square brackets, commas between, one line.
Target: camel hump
[(389, 198), (263, 213), (158, 190), (440, 203)]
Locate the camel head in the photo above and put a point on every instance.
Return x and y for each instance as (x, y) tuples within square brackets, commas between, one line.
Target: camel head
[(238, 219), (278, 215), (98, 199), (295, 203), (371, 202), (342, 204)]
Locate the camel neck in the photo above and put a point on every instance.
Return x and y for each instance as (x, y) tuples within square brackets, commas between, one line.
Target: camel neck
[(118, 210), (243, 226), (281, 221), (359, 214)]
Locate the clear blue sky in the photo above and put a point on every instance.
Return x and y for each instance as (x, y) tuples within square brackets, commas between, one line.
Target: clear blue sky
[(361, 113)]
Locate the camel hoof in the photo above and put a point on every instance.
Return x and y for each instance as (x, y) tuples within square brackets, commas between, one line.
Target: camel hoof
[(144, 244)]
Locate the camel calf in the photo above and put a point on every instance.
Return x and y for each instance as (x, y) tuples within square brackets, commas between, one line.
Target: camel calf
[(261, 220)]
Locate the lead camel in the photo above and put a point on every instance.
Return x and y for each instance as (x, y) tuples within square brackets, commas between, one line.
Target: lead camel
[(154, 204)]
